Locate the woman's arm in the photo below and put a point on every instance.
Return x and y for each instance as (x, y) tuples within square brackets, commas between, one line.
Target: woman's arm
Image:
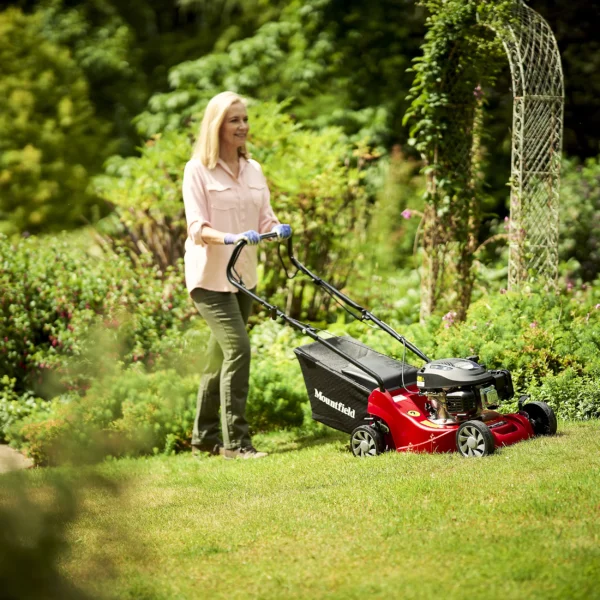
[(208, 235), (194, 200), (212, 236)]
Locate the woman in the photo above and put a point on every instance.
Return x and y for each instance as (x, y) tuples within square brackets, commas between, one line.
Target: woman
[(226, 199)]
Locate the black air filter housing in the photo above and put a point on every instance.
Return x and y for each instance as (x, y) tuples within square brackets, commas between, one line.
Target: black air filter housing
[(452, 373)]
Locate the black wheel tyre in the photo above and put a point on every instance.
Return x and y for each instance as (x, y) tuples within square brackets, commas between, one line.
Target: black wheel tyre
[(365, 441), (541, 417), (474, 439)]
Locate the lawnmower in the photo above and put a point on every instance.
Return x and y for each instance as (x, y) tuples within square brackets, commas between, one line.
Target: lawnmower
[(446, 405)]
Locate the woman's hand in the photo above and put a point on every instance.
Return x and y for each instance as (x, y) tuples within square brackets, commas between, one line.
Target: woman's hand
[(252, 237), (283, 231)]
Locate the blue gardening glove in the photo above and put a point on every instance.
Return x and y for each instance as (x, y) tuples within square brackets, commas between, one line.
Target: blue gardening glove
[(252, 237), (283, 231)]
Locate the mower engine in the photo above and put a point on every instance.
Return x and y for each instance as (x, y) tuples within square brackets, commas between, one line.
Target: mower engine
[(459, 389)]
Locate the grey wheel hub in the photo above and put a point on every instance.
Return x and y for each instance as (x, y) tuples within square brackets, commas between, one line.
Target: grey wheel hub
[(471, 442), (363, 444)]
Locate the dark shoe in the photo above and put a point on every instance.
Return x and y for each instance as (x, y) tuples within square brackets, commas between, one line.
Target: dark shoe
[(247, 452), (207, 449)]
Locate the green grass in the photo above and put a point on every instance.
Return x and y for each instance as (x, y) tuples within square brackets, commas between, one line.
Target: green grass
[(311, 521)]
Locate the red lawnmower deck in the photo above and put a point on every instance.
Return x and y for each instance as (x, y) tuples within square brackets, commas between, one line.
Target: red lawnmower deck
[(384, 404)]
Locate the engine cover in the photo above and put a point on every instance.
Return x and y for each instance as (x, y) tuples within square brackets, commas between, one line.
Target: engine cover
[(452, 373)]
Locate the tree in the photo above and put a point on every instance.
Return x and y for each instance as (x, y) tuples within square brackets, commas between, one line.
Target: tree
[(50, 139), (341, 63)]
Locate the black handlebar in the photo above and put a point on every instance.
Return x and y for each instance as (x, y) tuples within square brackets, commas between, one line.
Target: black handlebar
[(307, 329)]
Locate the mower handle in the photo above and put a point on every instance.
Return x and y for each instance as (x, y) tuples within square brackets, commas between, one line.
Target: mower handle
[(275, 312), (307, 329)]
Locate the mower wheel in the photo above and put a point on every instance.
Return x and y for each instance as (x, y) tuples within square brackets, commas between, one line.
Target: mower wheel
[(542, 418), (474, 438), (365, 441)]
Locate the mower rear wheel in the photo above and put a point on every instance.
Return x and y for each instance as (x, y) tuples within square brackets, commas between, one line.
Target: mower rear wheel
[(474, 439), (542, 418), (365, 441)]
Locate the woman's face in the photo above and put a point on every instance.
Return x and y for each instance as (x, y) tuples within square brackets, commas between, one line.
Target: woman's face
[(234, 128)]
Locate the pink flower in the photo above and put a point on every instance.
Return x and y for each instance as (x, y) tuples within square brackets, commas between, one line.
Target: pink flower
[(597, 307), (407, 213), (503, 291), (449, 318), (533, 325)]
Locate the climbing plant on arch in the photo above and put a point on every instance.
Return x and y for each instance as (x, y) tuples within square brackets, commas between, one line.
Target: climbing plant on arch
[(466, 45)]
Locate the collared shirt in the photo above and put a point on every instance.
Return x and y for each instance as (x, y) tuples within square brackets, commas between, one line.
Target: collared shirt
[(215, 198)]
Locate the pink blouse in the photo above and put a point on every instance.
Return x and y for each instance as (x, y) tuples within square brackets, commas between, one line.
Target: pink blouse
[(215, 198)]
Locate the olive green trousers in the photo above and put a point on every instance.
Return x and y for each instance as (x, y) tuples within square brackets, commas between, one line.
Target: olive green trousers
[(224, 383)]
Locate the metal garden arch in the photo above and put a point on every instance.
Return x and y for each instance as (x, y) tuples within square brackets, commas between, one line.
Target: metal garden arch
[(538, 102)]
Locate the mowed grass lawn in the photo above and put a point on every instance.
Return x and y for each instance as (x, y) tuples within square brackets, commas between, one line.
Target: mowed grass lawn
[(312, 521)]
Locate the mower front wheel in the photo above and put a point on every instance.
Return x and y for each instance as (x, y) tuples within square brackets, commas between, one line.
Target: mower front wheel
[(474, 439), (541, 417), (366, 441)]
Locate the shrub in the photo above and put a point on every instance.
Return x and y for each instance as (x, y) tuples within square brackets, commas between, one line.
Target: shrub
[(580, 217), (125, 413), (129, 411), (15, 407), (53, 294), (571, 395), (277, 391), (534, 335)]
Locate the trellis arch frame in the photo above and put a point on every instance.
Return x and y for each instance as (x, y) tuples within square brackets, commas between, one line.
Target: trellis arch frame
[(450, 151)]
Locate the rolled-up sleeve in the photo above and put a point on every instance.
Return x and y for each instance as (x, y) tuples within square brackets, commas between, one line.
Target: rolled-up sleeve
[(195, 203), (266, 219)]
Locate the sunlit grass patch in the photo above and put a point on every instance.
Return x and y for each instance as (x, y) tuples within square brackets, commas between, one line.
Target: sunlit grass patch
[(312, 521)]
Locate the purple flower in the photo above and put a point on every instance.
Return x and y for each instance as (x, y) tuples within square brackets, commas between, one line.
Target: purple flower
[(478, 92), (407, 213)]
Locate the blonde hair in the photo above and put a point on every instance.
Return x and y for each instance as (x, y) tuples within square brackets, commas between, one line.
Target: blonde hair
[(206, 148)]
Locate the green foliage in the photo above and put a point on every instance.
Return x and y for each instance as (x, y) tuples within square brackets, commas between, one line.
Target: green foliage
[(52, 295), (50, 139), (571, 395), (394, 228), (133, 411), (534, 335), (103, 45), (123, 413), (325, 198), (342, 63), (277, 391), (15, 407), (35, 525), (460, 59), (580, 218), (145, 192)]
